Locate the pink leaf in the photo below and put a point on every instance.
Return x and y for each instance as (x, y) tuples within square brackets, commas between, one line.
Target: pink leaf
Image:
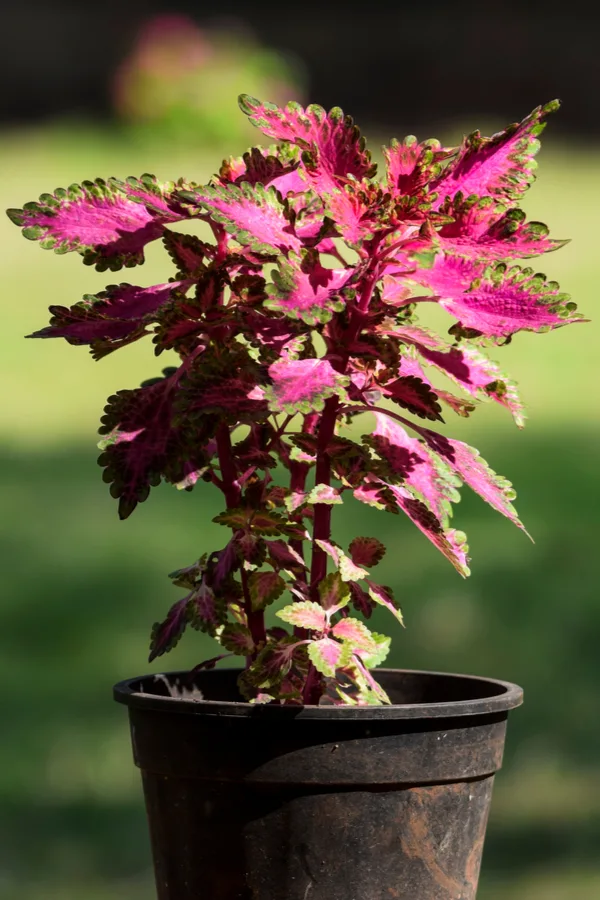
[(410, 367), (384, 596), (449, 542), (305, 614), (332, 143), (304, 289), (366, 551), (411, 166), (258, 166), (355, 632), (501, 165), (484, 229), (255, 216), (108, 222), (328, 655), (496, 301), (474, 471), (303, 385), (468, 367), (410, 459)]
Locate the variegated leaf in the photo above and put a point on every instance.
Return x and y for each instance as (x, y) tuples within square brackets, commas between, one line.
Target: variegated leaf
[(304, 289), (264, 588), (328, 655), (107, 222), (495, 301), (304, 614), (502, 165), (303, 385), (255, 216)]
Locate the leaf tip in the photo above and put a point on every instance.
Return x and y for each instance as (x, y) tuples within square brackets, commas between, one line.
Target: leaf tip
[(248, 104)]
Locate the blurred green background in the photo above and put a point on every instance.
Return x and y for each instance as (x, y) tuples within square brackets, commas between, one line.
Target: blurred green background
[(79, 589)]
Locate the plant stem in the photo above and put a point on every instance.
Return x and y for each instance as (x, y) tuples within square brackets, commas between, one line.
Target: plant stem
[(326, 431), (233, 495), (322, 518), (328, 419)]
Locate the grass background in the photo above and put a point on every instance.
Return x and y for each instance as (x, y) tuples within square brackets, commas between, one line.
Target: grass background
[(79, 589)]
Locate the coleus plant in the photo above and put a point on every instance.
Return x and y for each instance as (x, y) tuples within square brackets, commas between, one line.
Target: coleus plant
[(296, 319)]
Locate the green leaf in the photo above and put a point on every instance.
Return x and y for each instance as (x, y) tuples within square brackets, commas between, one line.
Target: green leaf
[(264, 588), (304, 614), (237, 639), (324, 493), (334, 593), (327, 655)]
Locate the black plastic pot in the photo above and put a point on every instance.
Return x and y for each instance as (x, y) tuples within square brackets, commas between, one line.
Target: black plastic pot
[(318, 803)]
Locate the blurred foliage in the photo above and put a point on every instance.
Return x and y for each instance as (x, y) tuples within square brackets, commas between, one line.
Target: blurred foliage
[(180, 81), (80, 589)]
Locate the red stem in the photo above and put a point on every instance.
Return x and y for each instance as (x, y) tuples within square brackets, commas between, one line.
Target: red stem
[(326, 431)]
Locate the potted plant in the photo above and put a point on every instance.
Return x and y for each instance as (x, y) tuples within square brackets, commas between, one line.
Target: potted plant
[(310, 773)]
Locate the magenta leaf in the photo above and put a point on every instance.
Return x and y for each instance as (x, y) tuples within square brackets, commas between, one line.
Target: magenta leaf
[(496, 301), (485, 229), (266, 167), (410, 166), (501, 165), (114, 317), (108, 222), (264, 588), (305, 614), (255, 216), (304, 289), (328, 655), (366, 551), (166, 635), (332, 145), (474, 471), (408, 458), (448, 541), (468, 367), (303, 385)]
